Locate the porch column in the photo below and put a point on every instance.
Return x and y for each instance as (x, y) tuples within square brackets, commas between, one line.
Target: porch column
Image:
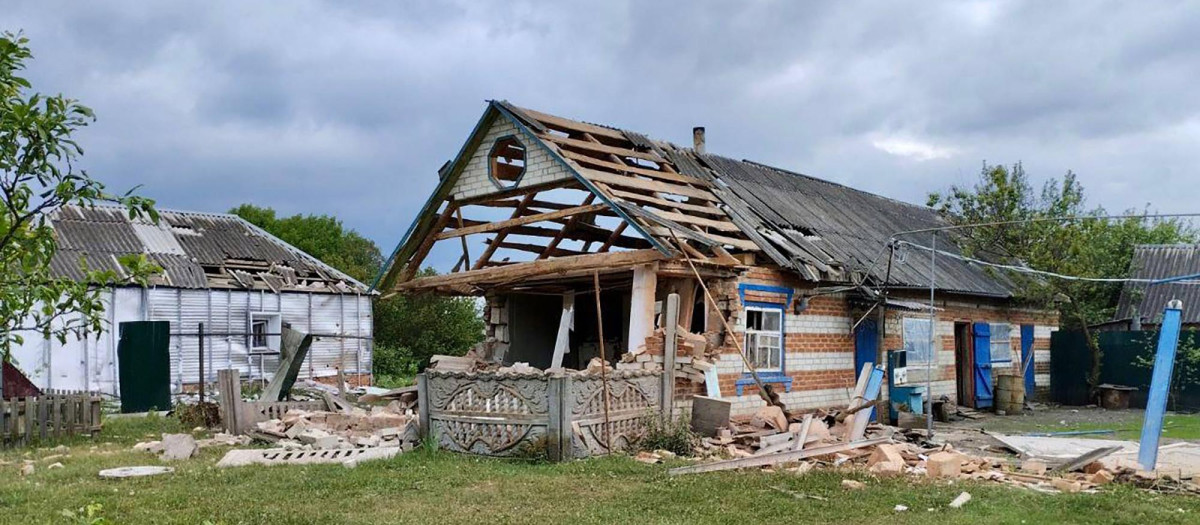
[(641, 305)]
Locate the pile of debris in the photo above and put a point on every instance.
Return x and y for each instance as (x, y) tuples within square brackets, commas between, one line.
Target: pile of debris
[(692, 359), (769, 439), (393, 425)]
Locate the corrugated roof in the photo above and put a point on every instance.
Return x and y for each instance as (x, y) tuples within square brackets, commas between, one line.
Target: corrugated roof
[(195, 250), (1160, 261), (814, 220)]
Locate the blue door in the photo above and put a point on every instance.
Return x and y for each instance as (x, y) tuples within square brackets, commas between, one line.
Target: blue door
[(983, 365), (1027, 357), (866, 340)]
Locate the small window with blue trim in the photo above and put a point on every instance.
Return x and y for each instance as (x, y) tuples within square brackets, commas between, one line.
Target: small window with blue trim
[(764, 338)]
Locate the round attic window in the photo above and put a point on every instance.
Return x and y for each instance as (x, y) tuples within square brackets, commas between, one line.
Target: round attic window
[(506, 161)]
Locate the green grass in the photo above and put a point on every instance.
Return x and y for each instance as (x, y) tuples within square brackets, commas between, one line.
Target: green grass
[(428, 486), (1128, 425)]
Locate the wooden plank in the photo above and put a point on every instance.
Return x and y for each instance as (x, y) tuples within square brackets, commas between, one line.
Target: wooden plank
[(604, 148), (616, 234), (856, 400), (537, 268), (663, 175), (572, 125), (414, 264), (553, 245), (627, 181), (43, 415), (711, 237), (804, 426), (671, 348), (534, 248), (4, 419), (491, 249), (667, 204), (698, 221), (520, 221), (775, 459)]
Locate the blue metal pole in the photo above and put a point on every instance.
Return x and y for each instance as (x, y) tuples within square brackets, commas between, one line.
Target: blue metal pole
[(1160, 385)]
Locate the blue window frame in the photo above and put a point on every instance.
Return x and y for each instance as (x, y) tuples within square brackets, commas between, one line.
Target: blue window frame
[(764, 336)]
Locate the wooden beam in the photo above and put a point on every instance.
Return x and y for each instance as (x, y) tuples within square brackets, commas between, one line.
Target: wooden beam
[(526, 270), (665, 204), (521, 220), (487, 252), (572, 125), (414, 263), (775, 459), (627, 181), (616, 234), (604, 148), (522, 190), (600, 163), (566, 229), (534, 248), (742, 244)]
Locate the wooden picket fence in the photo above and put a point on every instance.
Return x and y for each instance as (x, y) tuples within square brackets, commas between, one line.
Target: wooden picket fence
[(53, 415)]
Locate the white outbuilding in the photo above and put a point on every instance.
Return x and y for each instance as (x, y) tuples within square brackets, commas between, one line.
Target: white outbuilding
[(241, 282)]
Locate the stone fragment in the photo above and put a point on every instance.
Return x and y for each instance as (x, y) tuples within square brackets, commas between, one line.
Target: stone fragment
[(134, 472), (648, 458), (961, 500), (1066, 485), (770, 416), (54, 466), (1093, 467), (943, 465), (1034, 466), (850, 484), (178, 446)]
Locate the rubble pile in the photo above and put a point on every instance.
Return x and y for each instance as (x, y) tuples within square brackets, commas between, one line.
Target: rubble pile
[(692, 359), (770, 440), (393, 425)]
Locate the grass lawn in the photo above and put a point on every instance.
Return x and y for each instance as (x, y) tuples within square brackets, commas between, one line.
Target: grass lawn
[(1127, 423), (428, 486)]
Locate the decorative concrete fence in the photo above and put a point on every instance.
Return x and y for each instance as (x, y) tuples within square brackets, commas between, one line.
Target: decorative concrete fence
[(505, 414)]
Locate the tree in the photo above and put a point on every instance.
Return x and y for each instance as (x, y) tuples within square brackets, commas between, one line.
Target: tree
[(38, 176), (414, 328), (321, 236), (1029, 234), (408, 329)]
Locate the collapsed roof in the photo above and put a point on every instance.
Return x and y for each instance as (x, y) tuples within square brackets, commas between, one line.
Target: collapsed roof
[(195, 250), (677, 198)]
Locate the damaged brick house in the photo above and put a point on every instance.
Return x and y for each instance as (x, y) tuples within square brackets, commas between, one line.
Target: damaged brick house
[(799, 268)]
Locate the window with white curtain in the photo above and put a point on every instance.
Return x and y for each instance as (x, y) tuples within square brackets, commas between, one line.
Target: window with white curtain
[(764, 338), (916, 339), (1001, 342)]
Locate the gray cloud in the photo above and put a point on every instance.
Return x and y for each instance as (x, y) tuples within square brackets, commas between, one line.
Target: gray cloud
[(349, 109)]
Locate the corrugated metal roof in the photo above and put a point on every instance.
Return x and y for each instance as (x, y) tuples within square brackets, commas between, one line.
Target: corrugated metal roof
[(1159, 261), (195, 250), (821, 222)]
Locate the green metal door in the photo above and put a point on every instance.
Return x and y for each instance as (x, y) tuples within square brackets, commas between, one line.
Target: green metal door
[(145, 368)]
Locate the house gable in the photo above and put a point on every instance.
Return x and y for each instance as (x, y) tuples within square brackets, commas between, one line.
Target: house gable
[(476, 179)]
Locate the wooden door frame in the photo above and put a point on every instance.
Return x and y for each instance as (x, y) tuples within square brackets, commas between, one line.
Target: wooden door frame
[(964, 363)]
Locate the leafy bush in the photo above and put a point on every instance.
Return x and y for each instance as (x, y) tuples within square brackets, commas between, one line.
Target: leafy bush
[(409, 329), (667, 434)]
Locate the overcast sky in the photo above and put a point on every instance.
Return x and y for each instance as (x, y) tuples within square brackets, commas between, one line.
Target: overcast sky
[(322, 107)]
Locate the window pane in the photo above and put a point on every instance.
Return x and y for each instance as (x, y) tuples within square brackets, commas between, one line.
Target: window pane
[(771, 320), (1001, 342), (754, 320), (916, 339)]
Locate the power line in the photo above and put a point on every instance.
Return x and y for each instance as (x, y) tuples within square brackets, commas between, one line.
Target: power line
[(1179, 279)]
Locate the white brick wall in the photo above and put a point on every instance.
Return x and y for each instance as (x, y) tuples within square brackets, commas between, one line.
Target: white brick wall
[(819, 361), (816, 324), (540, 167)]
